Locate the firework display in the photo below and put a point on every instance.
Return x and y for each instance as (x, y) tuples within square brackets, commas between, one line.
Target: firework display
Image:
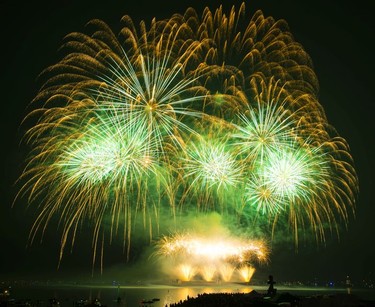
[(211, 257), (197, 113)]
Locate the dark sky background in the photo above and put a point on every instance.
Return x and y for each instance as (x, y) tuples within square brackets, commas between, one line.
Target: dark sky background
[(337, 34)]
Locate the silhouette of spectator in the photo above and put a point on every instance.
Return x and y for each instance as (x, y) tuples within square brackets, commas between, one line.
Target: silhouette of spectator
[(271, 290)]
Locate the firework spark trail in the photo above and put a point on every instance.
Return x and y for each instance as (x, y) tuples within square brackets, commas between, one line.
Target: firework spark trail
[(212, 111)]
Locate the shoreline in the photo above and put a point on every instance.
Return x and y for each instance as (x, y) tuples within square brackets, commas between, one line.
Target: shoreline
[(191, 294)]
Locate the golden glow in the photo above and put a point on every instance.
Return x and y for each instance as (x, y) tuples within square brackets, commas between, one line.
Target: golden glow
[(211, 257), (246, 272)]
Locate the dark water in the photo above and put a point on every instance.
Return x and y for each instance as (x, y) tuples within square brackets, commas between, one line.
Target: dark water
[(68, 295)]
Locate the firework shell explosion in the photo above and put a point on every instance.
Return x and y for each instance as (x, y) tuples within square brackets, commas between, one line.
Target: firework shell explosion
[(206, 113)]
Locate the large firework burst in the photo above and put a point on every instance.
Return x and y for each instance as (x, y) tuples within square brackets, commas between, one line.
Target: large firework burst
[(216, 111)]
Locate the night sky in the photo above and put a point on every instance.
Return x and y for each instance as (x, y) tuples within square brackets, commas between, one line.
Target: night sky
[(337, 35)]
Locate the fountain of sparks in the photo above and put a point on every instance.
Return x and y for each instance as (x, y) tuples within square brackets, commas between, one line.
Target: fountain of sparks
[(211, 258)]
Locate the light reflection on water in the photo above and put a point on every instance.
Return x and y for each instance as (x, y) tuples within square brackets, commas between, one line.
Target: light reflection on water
[(133, 295), (130, 295)]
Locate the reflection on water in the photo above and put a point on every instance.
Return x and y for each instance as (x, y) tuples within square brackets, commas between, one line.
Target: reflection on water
[(134, 295), (175, 295), (129, 296)]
